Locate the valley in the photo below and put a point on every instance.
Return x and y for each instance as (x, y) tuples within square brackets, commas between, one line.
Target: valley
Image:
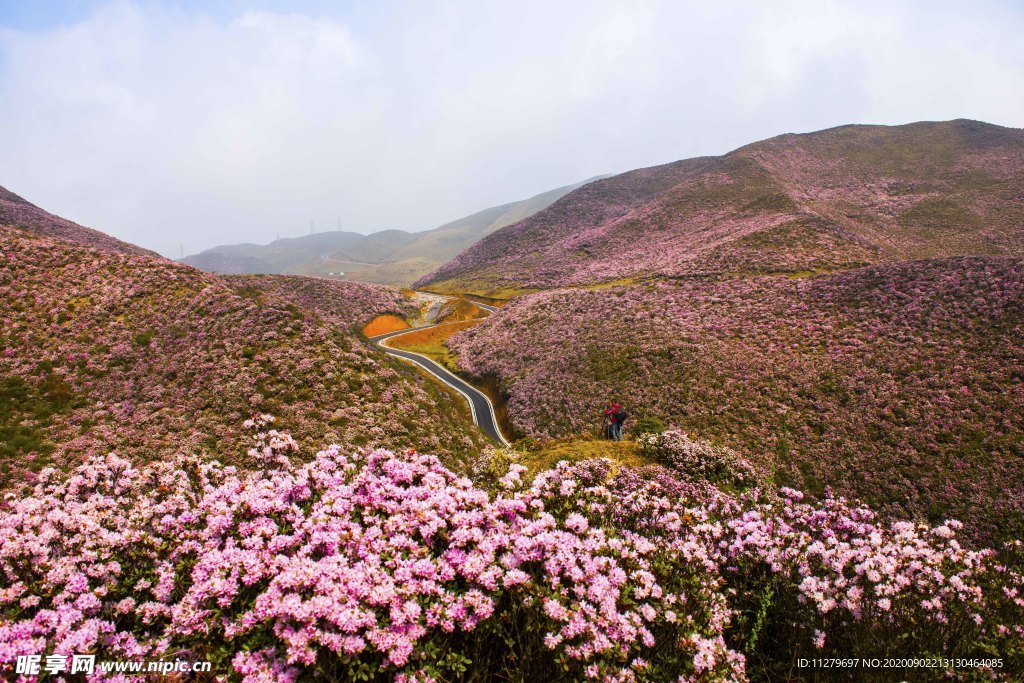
[(138, 355)]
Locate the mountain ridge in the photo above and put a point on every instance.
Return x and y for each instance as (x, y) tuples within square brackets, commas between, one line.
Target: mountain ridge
[(828, 200), (18, 212)]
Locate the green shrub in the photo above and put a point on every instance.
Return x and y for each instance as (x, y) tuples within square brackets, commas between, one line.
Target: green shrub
[(649, 425), (143, 338)]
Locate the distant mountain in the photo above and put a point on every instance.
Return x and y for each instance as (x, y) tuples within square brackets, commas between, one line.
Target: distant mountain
[(216, 262), (19, 213), (825, 201), (393, 257), (280, 256)]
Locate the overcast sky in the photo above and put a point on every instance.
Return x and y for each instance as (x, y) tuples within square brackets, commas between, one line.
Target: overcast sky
[(201, 123)]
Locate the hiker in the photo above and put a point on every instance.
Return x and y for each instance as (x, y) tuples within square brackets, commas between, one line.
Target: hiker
[(616, 415)]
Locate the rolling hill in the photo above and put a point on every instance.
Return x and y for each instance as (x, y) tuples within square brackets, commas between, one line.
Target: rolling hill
[(900, 384), (105, 351), (19, 213), (391, 257), (836, 199), (845, 307)]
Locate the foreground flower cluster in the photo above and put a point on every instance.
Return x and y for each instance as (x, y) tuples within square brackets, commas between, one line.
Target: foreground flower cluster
[(900, 384), (389, 565), (699, 460)]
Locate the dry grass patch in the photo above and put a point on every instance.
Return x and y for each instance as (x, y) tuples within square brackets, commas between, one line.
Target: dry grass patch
[(431, 342), (461, 310), (547, 456), (383, 324)]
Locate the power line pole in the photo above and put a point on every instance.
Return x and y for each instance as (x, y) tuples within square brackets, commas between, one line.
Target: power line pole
[(312, 227)]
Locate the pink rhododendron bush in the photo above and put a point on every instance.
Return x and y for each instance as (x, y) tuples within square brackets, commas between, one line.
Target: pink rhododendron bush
[(387, 566), (901, 385), (699, 460)]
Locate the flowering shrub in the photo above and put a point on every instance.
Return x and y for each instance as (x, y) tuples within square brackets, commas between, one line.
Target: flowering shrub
[(388, 564), (102, 351), (272, 447), (899, 385), (342, 565), (852, 584), (698, 460)]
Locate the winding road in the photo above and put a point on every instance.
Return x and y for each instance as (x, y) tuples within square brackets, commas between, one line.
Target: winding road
[(479, 403)]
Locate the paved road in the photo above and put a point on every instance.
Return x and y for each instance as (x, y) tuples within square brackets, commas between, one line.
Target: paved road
[(479, 404), (490, 309)]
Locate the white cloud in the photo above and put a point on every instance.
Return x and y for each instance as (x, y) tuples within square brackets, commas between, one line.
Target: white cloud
[(168, 127)]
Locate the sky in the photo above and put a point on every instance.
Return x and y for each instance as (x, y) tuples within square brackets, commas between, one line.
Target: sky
[(183, 125)]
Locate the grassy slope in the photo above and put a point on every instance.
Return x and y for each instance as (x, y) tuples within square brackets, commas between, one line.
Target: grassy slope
[(545, 456), (432, 342)]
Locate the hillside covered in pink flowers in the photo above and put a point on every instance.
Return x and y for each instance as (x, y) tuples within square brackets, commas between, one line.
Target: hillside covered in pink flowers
[(902, 384), (344, 303), (819, 340), (103, 351), (19, 213), (835, 199)]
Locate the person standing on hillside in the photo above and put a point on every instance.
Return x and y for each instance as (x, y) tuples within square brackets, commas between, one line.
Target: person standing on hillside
[(616, 415)]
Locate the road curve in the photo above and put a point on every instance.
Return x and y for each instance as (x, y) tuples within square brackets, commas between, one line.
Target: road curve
[(479, 403)]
